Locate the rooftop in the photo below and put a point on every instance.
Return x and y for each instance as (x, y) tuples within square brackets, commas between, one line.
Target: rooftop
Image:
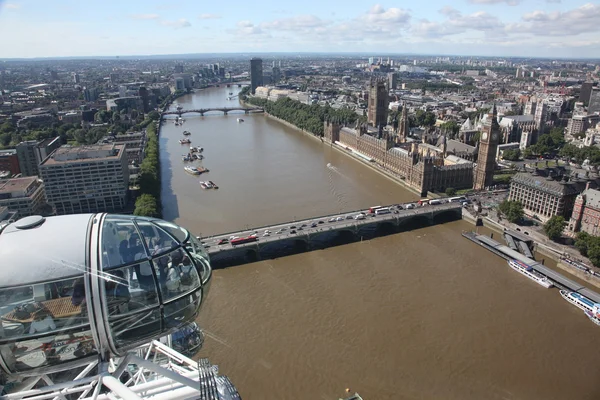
[(592, 198), (16, 184), (84, 153), (555, 181)]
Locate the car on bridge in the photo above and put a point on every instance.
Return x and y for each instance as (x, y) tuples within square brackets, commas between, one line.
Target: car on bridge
[(223, 241)]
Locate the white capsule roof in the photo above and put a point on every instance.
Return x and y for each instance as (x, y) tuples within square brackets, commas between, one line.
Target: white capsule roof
[(93, 285)]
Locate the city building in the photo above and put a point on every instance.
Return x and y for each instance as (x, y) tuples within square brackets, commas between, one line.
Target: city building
[(31, 153), (9, 162), (91, 94), (594, 106), (135, 143), (24, 195), (76, 77), (377, 107), (86, 179), (125, 103), (392, 81), (513, 126), (547, 192), (422, 167), (256, 74), (586, 92), (540, 116), (486, 158), (580, 123), (586, 213), (187, 81)]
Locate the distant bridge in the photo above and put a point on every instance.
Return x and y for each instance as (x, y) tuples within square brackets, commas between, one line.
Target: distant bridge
[(224, 110)]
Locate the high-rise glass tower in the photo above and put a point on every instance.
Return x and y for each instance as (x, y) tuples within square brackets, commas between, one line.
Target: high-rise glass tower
[(256, 74)]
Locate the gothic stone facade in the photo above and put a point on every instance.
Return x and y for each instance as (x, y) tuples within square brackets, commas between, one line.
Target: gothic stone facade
[(421, 172), (586, 213)]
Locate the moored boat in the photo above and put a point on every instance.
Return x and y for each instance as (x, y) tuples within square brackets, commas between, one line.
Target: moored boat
[(185, 141), (578, 300), (594, 315), (203, 185), (187, 133), (213, 185), (240, 120), (192, 170), (528, 271)]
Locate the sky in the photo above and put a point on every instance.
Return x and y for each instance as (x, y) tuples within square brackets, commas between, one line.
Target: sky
[(528, 28)]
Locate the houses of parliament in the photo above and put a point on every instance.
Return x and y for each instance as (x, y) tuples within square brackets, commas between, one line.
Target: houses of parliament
[(432, 164)]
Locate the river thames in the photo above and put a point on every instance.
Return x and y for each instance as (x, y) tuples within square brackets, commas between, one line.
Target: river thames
[(424, 314)]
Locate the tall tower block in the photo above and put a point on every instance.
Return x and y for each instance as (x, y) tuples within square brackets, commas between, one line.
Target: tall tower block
[(486, 158)]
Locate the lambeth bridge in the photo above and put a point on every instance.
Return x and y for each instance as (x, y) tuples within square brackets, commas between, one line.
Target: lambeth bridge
[(322, 232), (224, 110)]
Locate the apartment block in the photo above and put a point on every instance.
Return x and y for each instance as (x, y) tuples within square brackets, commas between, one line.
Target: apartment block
[(86, 179)]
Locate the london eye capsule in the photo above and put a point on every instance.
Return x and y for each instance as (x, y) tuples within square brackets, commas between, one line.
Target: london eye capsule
[(80, 286)]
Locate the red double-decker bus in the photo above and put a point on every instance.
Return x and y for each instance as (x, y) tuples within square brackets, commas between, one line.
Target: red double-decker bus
[(243, 240)]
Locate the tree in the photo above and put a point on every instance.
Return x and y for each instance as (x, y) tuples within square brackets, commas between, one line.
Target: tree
[(582, 243), (554, 227), (153, 115), (146, 206), (511, 155), (512, 210), (450, 191)]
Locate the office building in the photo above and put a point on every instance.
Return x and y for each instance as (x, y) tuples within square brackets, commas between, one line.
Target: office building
[(256, 74), (32, 153), (377, 107), (586, 213), (580, 123), (547, 192), (178, 68), (488, 148), (76, 77), (91, 94), (24, 195), (86, 179), (392, 81), (594, 106), (187, 81), (586, 92), (9, 161)]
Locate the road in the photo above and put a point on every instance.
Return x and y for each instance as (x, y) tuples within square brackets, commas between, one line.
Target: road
[(293, 229)]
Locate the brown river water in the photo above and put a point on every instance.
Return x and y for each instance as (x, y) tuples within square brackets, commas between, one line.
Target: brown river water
[(424, 314)]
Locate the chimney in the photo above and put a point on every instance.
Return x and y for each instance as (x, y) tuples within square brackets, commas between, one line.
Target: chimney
[(587, 185)]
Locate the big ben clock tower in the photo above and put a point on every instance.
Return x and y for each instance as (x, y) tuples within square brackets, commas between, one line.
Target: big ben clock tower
[(486, 158)]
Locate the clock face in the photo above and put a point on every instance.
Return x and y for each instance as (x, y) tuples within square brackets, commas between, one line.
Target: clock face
[(484, 136)]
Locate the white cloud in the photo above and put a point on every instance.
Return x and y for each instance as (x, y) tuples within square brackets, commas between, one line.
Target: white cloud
[(508, 2), (11, 6), (145, 16), (377, 14), (209, 16), (456, 23), (580, 20), (298, 23), (180, 23)]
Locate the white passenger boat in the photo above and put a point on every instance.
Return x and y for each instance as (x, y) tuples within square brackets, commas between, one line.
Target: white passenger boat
[(530, 273), (594, 315), (578, 300)]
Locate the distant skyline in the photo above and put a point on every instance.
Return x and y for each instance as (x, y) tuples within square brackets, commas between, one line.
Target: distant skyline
[(521, 28)]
